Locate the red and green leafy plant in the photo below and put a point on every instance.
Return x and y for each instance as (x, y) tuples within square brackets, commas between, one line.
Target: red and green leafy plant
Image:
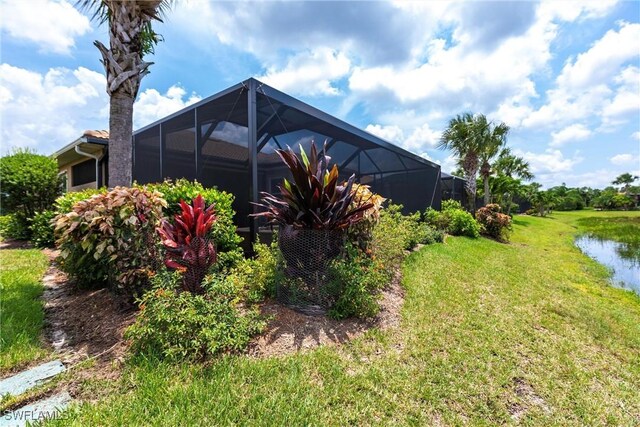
[(109, 239), (187, 247), (494, 223), (315, 199)]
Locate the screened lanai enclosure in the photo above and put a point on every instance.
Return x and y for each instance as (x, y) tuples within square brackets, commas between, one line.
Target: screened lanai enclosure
[(453, 188), (229, 140)]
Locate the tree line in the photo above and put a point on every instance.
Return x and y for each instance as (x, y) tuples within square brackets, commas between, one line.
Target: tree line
[(493, 173)]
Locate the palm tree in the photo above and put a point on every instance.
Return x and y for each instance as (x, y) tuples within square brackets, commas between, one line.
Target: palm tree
[(493, 138), (131, 36), (625, 180), (461, 137), (513, 168)]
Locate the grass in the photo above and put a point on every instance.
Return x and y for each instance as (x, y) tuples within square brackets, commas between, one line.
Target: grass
[(21, 311), (527, 333)]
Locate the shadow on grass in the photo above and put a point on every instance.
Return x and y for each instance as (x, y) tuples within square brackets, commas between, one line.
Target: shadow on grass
[(520, 222)]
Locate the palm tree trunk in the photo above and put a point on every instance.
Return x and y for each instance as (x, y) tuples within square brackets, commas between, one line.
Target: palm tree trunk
[(120, 142), (470, 187), (487, 194)]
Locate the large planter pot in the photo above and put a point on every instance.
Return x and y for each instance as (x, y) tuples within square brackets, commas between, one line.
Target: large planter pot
[(308, 255)]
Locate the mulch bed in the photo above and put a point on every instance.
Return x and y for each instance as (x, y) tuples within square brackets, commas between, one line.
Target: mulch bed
[(84, 324), (290, 331)]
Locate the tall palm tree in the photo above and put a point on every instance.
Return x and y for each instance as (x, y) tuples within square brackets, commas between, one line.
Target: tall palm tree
[(131, 36), (493, 139), (461, 137)]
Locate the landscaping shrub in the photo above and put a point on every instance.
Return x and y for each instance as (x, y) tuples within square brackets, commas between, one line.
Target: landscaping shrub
[(462, 223), (110, 239), (29, 183), (390, 238), (186, 245), (256, 278), (356, 283), (453, 219), (361, 232), (14, 226), (429, 235), (64, 204), (41, 229), (223, 231), (494, 223), (179, 326)]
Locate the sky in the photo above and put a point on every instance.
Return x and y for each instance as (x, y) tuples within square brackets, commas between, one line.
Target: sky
[(563, 75)]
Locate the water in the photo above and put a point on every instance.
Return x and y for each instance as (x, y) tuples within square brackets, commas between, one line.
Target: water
[(622, 259)]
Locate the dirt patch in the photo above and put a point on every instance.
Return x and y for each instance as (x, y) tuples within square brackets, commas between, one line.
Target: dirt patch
[(290, 331), (528, 398), (83, 324)]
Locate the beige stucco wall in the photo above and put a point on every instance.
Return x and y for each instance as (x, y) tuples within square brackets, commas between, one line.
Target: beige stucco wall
[(68, 170)]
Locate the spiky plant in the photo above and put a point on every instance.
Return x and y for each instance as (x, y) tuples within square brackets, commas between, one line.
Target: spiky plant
[(314, 199), (186, 245)]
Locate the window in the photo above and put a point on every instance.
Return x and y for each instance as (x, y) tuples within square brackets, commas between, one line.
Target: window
[(83, 173)]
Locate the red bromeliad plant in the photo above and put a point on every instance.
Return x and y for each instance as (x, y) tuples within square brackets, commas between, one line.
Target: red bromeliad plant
[(186, 244), (315, 199)]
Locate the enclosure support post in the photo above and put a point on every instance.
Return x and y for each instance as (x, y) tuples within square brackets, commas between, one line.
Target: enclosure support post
[(252, 125)]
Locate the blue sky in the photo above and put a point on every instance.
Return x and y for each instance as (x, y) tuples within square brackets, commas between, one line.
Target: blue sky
[(564, 75)]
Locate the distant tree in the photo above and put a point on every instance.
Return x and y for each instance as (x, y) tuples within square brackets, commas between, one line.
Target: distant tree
[(625, 180), (131, 37), (511, 170), (492, 139)]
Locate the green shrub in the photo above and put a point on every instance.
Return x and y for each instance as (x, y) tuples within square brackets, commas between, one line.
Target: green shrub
[(41, 229), (29, 182), (453, 219), (256, 278), (179, 326), (494, 223), (429, 235), (64, 204), (451, 205), (462, 224), (356, 283), (14, 226), (223, 231), (111, 239)]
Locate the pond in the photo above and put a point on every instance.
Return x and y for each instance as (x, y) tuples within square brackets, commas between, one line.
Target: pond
[(622, 259)]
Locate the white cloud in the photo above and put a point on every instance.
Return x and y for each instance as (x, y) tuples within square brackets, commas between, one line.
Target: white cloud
[(595, 84), (391, 133), (46, 111), (603, 60), (50, 24), (575, 132), (309, 73), (419, 140), (624, 159), (550, 161), (636, 135), (151, 105)]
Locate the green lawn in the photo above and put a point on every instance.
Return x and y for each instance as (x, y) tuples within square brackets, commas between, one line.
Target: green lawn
[(527, 333), (21, 314)]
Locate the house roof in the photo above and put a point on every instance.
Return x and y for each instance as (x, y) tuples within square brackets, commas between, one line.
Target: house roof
[(91, 141)]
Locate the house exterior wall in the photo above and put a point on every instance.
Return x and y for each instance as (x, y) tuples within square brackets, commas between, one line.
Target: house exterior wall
[(68, 169)]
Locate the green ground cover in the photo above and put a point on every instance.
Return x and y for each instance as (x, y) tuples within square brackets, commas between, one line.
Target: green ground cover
[(528, 332), (621, 226), (21, 312)]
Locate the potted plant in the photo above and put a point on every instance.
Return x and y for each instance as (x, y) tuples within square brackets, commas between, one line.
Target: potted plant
[(313, 212)]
